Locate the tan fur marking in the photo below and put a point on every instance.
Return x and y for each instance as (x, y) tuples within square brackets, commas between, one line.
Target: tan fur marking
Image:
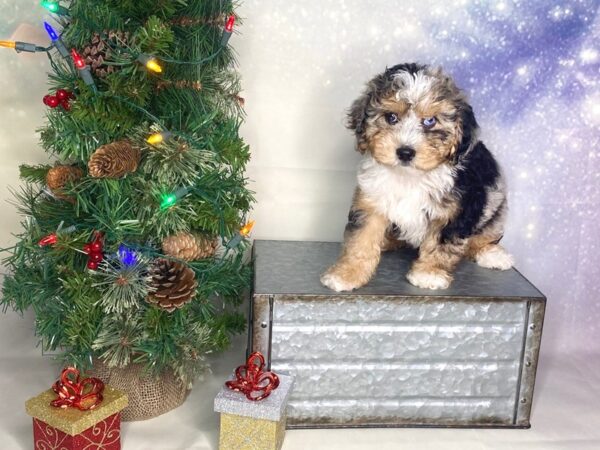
[(396, 106), (362, 248), (383, 147)]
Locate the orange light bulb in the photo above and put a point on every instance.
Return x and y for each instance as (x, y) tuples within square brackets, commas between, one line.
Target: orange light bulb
[(246, 229), (8, 44)]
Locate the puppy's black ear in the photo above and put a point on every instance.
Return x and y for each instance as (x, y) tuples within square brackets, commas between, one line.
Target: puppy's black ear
[(357, 120), (357, 115), (469, 128)]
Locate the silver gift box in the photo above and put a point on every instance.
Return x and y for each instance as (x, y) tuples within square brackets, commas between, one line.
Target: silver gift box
[(391, 354)]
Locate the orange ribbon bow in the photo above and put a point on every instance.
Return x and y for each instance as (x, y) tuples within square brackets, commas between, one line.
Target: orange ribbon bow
[(252, 381), (84, 395)]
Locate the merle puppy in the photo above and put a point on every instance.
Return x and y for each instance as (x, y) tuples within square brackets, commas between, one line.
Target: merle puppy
[(425, 180)]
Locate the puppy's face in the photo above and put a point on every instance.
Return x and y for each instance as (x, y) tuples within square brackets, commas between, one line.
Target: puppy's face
[(412, 116)]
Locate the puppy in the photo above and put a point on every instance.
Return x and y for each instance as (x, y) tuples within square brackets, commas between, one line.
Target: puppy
[(425, 180)]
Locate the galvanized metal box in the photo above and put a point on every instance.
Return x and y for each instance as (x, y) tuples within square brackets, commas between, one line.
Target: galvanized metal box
[(391, 354)]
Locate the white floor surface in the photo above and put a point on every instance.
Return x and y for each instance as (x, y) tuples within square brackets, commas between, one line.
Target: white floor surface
[(566, 410)]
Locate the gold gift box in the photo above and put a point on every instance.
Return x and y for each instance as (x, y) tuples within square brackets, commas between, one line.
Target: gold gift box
[(246, 433), (72, 421), (250, 425)]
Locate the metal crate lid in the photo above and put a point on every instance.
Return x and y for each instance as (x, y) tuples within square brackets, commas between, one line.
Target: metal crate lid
[(294, 267)]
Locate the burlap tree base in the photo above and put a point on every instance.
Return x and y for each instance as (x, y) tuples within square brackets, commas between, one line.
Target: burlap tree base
[(148, 396)]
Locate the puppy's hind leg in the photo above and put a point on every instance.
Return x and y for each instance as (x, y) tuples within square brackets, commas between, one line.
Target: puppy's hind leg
[(485, 251), (360, 256)]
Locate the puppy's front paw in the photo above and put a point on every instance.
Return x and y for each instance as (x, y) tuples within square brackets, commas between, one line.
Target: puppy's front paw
[(495, 258), (429, 280), (336, 282)]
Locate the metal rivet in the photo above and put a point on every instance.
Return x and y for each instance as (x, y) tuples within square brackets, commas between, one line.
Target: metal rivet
[(523, 400), (528, 363), (532, 326), (263, 324)]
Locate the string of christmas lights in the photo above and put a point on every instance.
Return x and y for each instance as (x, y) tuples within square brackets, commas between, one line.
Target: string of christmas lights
[(19, 46), (129, 254), (151, 62)]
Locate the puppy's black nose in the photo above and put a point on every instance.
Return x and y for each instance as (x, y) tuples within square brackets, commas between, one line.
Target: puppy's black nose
[(405, 153)]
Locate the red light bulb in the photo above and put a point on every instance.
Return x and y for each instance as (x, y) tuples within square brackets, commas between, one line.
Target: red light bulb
[(230, 23), (48, 240), (77, 59)]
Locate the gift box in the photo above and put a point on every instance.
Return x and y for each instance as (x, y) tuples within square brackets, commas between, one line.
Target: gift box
[(72, 429), (253, 425)]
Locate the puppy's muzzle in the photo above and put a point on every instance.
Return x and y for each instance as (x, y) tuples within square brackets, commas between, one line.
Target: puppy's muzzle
[(405, 154)]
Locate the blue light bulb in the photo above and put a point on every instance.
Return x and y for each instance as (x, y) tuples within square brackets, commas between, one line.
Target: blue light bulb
[(126, 255), (51, 31)]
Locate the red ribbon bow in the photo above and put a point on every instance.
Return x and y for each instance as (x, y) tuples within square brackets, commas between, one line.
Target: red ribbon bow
[(85, 394), (252, 381)]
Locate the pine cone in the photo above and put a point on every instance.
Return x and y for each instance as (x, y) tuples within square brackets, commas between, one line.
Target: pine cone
[(99, 50), (173, 284), (189, 247), (114, 160), (58, 177)]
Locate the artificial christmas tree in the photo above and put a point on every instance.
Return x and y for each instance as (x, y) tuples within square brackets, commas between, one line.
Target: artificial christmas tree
[(144, 128)]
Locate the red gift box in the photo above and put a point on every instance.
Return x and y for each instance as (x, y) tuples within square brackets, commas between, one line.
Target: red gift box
[(73, 429)]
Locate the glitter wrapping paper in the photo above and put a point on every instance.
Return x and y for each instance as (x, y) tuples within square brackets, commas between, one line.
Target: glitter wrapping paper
[(246, 433), (271, 408), (103, 420), (103, 435), (250, 425)]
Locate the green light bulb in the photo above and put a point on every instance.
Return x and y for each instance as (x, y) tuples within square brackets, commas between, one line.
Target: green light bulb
[(50, 6), (168, 200)]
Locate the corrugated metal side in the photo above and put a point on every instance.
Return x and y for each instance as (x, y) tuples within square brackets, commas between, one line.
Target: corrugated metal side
[(377, 361)]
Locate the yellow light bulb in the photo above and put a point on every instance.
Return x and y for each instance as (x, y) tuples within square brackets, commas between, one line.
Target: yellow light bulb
[(8, 44), (155, 139), (159, 138), (246, 229), (153, 66)]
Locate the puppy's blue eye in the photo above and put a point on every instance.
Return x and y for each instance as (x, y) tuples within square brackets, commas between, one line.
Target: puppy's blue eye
[(391, 118), (429, 122)]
